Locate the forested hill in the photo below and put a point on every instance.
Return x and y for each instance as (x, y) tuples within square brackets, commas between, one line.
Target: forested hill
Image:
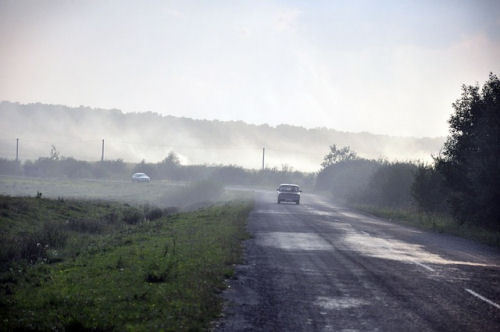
[(78, 133)]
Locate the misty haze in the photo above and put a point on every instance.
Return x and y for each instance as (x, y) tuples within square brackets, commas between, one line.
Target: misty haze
[(249, 165), (77, 132)]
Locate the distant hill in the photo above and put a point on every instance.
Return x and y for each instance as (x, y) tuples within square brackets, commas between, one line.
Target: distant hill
[(77, 132)]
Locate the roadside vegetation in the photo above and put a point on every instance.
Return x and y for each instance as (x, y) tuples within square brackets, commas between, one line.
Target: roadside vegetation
[(459, 193), (77, 264), (56, 166)]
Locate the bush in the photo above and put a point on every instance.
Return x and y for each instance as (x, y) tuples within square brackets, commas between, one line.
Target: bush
[(32, 246), (347, 179), (111, 217), (154, 214), (132, 216), (429, 191), (53, 235), (390, 186)]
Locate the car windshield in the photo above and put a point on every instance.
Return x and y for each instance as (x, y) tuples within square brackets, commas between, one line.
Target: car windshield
[(289, 188)]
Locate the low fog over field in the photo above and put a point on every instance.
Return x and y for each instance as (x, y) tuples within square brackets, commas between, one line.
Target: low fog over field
[(77, 132), (144, 144)]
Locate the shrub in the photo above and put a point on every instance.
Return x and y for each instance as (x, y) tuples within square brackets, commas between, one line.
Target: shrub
[(53, 235), (111, 217), (429, 191), (390, 186), (132, 216), (347, 179), (33, 246), (154, 214)]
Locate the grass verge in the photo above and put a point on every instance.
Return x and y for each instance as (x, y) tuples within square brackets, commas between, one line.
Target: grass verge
[(112, 266), (435, 223)]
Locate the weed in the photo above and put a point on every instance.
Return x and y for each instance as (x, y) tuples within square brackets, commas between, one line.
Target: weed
[(111, 217), (120, 264), (132, 216), (154, 214), (140, 276), (85, 225)]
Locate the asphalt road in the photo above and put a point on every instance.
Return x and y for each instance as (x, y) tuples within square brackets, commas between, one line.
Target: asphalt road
[(319, 267)]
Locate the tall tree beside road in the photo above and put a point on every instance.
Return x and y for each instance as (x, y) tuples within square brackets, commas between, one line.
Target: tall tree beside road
[(470, 161), (337, 155)]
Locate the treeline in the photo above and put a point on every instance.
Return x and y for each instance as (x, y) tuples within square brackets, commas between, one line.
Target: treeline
[(463, 182), (362, 181), (56, 166), (78, 132)]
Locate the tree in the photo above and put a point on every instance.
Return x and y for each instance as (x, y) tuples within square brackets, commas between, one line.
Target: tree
[(169, 167), (470, 161), (172, 159), (429, 191), (337, 155), (54, 154)]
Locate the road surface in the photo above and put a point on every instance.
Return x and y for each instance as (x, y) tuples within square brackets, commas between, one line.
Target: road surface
[(319, 267)]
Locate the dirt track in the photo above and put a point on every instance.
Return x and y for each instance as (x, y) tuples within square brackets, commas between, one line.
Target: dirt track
[(318, 267)]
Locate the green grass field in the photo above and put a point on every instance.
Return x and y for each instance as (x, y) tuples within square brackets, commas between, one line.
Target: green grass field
[(101, 265), (126, 191)]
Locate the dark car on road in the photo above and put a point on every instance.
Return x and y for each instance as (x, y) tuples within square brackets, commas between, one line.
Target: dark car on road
[(289, 193)]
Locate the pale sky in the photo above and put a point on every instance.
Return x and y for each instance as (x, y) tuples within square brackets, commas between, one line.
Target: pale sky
[(388, 67)]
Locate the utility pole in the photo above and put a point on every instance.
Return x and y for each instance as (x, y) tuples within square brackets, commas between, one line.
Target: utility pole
[(263, 156), (17, 149), (102, 151)]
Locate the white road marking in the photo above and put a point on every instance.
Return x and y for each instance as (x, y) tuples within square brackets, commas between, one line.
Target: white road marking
[(479, 296), (424, 266)]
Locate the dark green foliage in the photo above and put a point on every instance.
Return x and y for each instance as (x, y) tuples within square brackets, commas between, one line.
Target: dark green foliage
[(52, 235), (32, 228), (161, 270), (390, 185), (429, 191), (112, 217), (168, 169), (470, 162), (149, 276), (132, 216), (153, 214), (361, 181), (32, 246), (347, 179)]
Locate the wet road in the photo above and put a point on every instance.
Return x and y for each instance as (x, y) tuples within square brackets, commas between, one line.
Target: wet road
[(319, 267)]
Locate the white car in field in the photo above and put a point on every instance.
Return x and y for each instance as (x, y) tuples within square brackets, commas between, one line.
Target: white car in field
[(140, 177)]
